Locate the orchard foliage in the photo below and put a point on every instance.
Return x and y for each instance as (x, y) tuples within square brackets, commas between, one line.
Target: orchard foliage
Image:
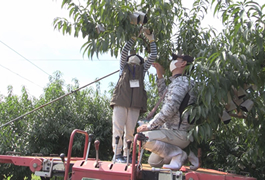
[(47, 130), (226, 59), (232, 57), (113, 15)]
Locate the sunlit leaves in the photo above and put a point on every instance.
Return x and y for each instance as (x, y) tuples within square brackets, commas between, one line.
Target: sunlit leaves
[(114, 16), (232, 56), (48, 129)]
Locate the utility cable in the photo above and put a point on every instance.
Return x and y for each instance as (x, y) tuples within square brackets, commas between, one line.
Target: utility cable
[(56, 99), (69, 60), (20, 76), (24, 58)]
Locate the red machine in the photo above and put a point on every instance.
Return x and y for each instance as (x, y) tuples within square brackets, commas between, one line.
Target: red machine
[(83, 168)]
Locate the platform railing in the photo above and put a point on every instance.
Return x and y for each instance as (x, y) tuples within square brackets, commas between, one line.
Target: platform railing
[(136, 169), (67, 167)]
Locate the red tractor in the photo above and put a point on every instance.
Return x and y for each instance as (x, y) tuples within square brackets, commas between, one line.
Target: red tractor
[(82, 168)]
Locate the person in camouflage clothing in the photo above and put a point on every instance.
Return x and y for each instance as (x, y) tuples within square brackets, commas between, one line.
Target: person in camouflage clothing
[(167, 134)]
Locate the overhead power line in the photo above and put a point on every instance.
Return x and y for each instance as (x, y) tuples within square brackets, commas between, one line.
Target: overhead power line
[(83, 60), (57, 99), (24, 58), (20, 76)]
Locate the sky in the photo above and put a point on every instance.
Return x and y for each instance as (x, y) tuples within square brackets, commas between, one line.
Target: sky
[(31, 50)]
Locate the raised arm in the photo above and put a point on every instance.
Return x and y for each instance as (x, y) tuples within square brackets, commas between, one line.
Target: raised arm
[(153, 54), (151, 58), (124, 54)]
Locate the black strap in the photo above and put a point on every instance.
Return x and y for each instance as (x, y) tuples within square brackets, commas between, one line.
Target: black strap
[(183, 106)]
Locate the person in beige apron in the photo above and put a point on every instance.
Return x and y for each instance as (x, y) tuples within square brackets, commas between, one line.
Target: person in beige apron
[(129, 97)]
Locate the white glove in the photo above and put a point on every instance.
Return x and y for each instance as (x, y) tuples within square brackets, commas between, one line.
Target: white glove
[(148, 35)]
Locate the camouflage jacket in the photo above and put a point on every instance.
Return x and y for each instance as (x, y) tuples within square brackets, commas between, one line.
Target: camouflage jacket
[(169, 115)]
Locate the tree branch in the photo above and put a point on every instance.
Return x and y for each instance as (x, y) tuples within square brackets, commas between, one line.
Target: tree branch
[(238, 116)]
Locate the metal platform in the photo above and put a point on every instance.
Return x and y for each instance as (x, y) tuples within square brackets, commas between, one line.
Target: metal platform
[(82, 168)]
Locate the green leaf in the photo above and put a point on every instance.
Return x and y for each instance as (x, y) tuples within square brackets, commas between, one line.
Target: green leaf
[(208, 99)]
